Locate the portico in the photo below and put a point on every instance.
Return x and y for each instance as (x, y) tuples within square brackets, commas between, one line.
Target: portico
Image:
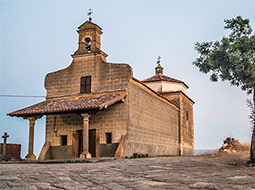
[(88, 105)]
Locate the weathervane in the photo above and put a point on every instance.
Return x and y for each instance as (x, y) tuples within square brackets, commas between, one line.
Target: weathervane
[(158, 61), (89, 14)]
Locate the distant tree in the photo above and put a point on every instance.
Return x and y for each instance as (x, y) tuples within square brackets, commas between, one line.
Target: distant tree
[(232, 59)]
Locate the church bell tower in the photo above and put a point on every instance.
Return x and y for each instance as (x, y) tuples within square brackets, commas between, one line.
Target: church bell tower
[(89, 38)]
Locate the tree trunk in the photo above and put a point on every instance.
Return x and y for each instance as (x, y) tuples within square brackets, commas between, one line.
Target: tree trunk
[(252, 154)]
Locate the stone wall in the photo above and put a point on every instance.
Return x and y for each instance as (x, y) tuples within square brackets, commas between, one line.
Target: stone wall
[(153, 123), (186, 126), (104, 76), (173, 97), (187, 132), (11, 149), (111, 120), (62, 124)]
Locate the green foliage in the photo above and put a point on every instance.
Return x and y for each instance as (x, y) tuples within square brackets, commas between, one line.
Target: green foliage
[(232, 58)]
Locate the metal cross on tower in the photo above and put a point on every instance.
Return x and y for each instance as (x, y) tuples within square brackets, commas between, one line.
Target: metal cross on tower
[(158, 61), (89, 14)]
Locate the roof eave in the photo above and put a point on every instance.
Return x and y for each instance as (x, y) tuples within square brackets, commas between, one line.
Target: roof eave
[(81, 108), (145, 81)]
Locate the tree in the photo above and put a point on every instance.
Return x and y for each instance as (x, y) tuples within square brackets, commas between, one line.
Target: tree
[(252, 118), (232, 59)]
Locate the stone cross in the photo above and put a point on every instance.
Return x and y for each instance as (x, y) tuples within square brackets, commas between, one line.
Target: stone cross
[(158, 59), (89, 14), (5, 136)]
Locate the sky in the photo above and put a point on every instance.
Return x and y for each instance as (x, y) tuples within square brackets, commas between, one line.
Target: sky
[(38, 37)]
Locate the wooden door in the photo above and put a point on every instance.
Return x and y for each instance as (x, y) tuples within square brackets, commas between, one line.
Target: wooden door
[(92, 142), (75, 144), (80, 142)]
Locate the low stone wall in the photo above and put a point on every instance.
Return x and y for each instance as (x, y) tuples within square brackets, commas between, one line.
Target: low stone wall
[(108, 150), (12, 149), (61, 152), (150, 149)]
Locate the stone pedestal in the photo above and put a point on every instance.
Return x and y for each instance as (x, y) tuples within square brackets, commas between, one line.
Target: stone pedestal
[(85, 155), (30, 157), (180, 150)]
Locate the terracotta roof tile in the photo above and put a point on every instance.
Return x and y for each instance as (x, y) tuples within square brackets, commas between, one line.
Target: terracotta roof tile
[(160, 77), (71, 103)]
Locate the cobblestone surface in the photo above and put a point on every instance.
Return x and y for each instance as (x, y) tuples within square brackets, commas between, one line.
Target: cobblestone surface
[(148, 173)]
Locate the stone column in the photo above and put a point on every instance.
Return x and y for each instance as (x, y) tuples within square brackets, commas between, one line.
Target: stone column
[(85, 153), (30, 155)]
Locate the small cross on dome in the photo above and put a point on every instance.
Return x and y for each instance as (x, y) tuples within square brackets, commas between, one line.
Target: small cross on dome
[(159, 68), (158, 62)]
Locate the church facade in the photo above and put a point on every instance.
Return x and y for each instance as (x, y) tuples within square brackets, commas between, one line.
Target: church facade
[(94, 108)]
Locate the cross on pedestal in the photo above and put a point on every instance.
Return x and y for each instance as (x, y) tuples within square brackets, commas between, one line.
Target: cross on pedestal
[(5, 136)]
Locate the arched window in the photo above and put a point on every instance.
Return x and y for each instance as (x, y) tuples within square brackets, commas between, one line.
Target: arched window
[(88, 44)]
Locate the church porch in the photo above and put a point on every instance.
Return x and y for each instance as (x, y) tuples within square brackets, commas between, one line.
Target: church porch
[(77, 126)]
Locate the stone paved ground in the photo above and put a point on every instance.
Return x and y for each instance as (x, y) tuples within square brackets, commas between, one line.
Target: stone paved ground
[(147, 173)]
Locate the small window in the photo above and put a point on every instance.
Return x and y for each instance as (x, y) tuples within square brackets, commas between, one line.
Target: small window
[(86, 84), (63, 140), (108, 138), (187, 115)]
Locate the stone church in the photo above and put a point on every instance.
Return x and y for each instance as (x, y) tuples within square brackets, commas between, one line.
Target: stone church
[(95, 108)]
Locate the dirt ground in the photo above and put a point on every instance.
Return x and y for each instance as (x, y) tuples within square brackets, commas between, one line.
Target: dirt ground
[(214, 171)]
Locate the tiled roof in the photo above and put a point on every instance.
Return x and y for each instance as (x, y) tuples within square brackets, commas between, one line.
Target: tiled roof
[(89, 23), (71, 103), (160, 77)]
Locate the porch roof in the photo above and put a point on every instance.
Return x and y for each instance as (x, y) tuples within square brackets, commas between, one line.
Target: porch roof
[(81, 102)]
